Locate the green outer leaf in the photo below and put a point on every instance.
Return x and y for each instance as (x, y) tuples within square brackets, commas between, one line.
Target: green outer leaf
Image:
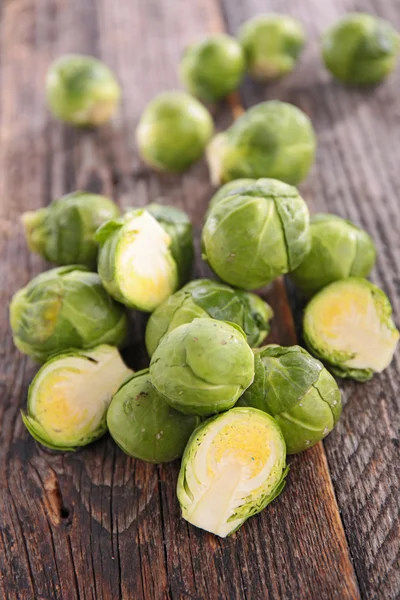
[(144, 425)]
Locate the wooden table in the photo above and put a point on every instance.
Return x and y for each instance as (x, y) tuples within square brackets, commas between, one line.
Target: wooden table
[(97, 524)]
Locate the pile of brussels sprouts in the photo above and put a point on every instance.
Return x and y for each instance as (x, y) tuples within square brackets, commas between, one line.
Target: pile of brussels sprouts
[(231, 407)]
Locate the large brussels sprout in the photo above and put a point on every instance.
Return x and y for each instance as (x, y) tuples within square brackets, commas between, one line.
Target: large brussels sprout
[(63, 232), (207, 298), (178, 226), (144, 425), (339, 249), (69, 397), (255, 233), (173, 131), (64, 308), (298, 392), (349, 326), (135, 263), (212, 68), (234, 465), (271, 44), (273, 139), (203, 367), (81, 90), (361, 49)]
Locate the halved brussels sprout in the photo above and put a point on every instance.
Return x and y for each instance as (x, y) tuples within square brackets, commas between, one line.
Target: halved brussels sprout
[(361, 49), (349, 326), (203, 367), (234, 465), (63, 232), (271, 44), (69, 397), (81, 90), (212, 68), (273, 139), (256, 233), (135, 261), (339, 249), (208, 298), (144, 425), (173, 131), (298, 392), (64, 308)]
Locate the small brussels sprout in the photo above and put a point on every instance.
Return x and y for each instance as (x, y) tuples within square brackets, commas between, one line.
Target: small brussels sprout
[(81, 90), (212, 68), (349, 326), (273, 139), (135, 261), (361, 49), (298, 392), (144, 425), (63, 232), (203, 367), (339, 249), (173, 131), (271, 45), (69, 397), (64, 308), (179, 227), (207, 298), (256, 233), (233, 466)]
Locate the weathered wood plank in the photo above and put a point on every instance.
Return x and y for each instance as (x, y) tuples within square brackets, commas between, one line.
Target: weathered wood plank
[(356, 176)]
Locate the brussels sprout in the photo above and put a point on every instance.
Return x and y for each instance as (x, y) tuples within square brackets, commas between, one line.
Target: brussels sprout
[(144, 425), (69, 397), (255, 233), (135, 262), (271, 44), (234, 465), (203, 367), (361, 49), (273, 139), (178, 226), (173, 131), (349, 326), (81, 90), (63, 232), (339, 249), (207, 298), (298, 392), (212, 68), (64, 308)]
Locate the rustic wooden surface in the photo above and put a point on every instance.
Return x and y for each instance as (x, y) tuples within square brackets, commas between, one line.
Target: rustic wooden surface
[(97, 524)]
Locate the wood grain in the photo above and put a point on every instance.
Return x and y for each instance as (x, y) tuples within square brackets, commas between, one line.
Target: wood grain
[(97, 524)]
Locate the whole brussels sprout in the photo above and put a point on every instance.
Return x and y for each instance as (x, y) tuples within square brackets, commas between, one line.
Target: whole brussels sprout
[(339, 249), (212, 68), (361, 49), (178, 226), (271, 44), (65, 308), (81, 90), (63, 232), (273, 139), (349, 326), (256, 233), (298, 392), (139, 260), (69, 397), (173, 131), (208, 298), (234, 465), (144, 425), (202, 367)]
